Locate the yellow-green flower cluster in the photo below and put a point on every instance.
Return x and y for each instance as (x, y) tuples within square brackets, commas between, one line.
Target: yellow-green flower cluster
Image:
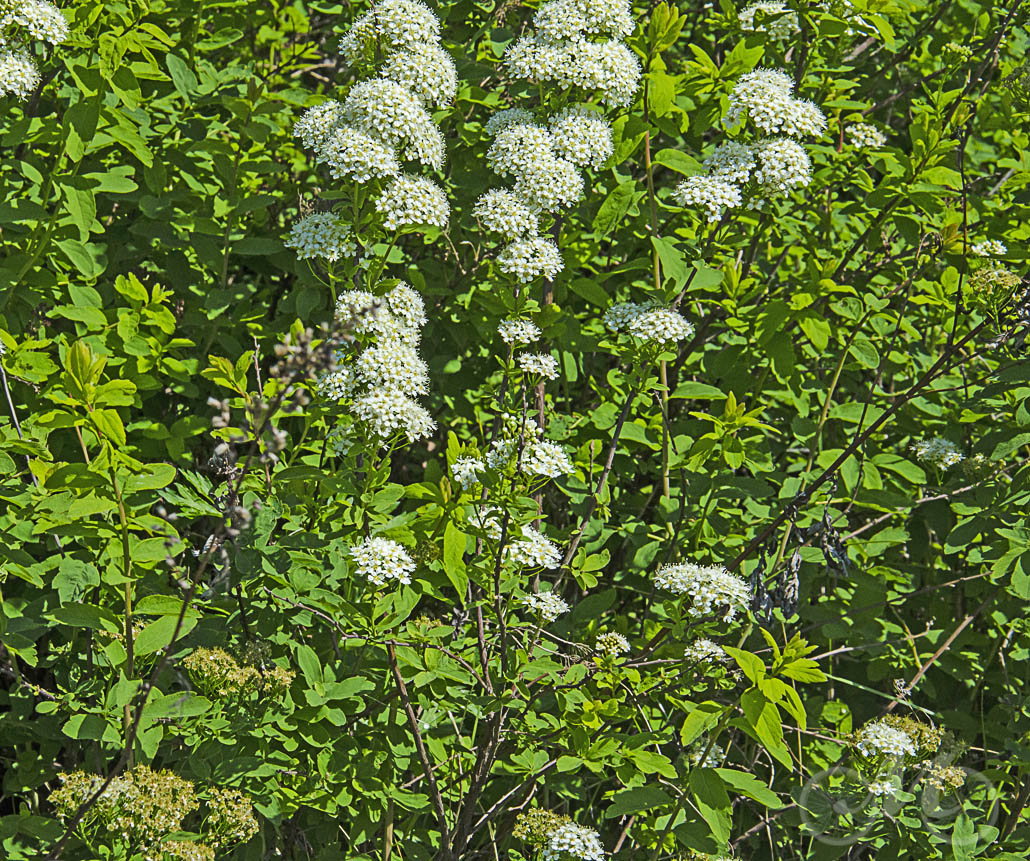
[(536, 826), (140, 807), (944, 777), (230, 819), (218, 675), (183, 850)]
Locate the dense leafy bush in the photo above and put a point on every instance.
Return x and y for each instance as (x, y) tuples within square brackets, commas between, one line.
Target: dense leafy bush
[(504, 430)]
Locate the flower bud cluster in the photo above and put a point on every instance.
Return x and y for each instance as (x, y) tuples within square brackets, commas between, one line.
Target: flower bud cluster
[(23, 22)]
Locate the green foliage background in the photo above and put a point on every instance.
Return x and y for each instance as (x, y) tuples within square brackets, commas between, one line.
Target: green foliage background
[(146, 190)]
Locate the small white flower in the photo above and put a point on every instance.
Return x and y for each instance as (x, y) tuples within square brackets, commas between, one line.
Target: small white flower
[(388, 111), (391, 25), (582, 137), (42, 19), (704, 651), (466, 471), (707, 586), (353, 154), (711, 193), (774, 18), (541, 457), (989, 248), (880, 738), (389, 413), (316, 125), (393, 364), (942, 453), (547, 604), (533, 550), (503, 212), (732, 162), (880, 788), (324, 235), (518, 331), (382, 560), (577, 841), (413, 201), (529, 258), (619, 316), (540, 364), (660, 326), (427, 70), (508, 117), (866, 136), (783, 165), (18, 74)]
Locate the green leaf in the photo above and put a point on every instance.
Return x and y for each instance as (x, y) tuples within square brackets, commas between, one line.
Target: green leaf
[(454, 543), (713, 802), (182, 76), (613, 209), (673, 264), (752, 665), (750, 786), (700, 720), (158, 634), (636, 800), (678, 161), (591, 291), (764, 718), (309, 665)]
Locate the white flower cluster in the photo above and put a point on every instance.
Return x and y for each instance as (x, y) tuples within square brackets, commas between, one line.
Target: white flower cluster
[(774, 18), (388, 373), (547, 604), (526, 259), (708, 587), (716, 755), (381, 560), (323, 235), (569, 840), (989, 248), (562, 49), (611, 644), (542, 457), (942, 453), (711, 193), (704, 651), (647, 323), (535, 550), (385, 119), (866, 136), (763, 99), (881, 788), (466, 470), (21, 22), (539, 364), (518, 331), (413, 201), (538, 457), (879, 738), (543, 160)]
